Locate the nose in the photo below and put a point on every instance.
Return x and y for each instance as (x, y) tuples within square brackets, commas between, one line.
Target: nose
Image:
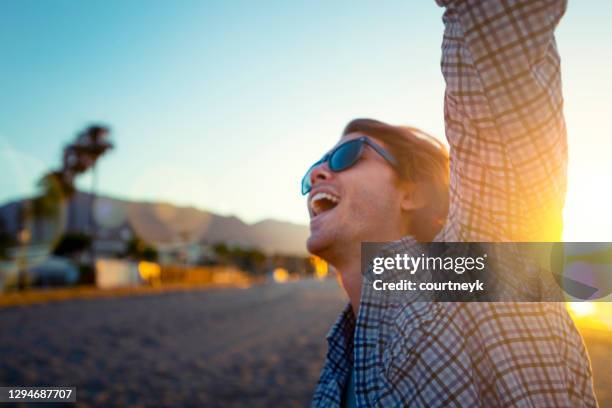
[(320, 172)]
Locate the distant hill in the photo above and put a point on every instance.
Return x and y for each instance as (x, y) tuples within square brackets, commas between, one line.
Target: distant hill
[(162, 223)]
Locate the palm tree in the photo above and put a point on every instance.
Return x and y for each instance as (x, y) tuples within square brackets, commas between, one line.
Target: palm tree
[(58, 185), (79, 157)]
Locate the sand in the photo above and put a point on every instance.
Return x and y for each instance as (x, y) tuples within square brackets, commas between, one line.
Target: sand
[(261, 346)]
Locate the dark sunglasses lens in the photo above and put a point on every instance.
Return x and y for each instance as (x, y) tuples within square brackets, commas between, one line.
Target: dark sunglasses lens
[(346, 155), (306, 184)]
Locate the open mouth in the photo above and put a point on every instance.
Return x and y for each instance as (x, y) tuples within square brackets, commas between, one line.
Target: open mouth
[(323, 202)]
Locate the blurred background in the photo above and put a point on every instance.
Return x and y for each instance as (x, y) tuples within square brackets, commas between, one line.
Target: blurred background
[(152, 231)]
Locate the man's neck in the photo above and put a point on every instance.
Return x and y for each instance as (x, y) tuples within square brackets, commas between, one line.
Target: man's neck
[(350, 275)]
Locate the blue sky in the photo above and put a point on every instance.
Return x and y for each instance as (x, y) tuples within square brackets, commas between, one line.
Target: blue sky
[(222, 105)]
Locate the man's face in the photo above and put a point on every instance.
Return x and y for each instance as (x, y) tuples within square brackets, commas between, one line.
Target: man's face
[(359, 204)]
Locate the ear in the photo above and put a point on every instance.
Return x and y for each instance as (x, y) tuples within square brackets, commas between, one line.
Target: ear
[(412, 196)]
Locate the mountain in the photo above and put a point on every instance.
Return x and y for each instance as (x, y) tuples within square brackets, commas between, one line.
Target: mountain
[(164, 223)]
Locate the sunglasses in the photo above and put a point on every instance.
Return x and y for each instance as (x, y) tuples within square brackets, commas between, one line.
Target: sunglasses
[(344, 156)]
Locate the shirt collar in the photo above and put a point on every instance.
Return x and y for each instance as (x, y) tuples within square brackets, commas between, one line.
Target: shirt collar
[(342, 332)]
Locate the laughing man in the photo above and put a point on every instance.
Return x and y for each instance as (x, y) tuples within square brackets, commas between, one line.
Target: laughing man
[(508, 158)]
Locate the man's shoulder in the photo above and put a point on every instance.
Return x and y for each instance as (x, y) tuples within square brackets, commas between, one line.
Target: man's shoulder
[(482, 323), (415, 324)]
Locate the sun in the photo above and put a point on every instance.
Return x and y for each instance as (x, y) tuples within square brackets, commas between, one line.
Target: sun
[(586, 216)]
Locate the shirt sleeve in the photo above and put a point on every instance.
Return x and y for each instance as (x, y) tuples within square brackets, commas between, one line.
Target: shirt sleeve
[(504, 120)]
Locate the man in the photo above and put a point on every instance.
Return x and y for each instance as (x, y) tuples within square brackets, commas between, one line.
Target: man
[(505, 127), (388, 175)]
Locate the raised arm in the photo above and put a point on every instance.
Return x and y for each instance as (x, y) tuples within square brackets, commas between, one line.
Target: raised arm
[(504, 120)]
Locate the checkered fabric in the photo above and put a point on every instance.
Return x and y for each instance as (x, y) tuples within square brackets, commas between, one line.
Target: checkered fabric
[(507, 137)]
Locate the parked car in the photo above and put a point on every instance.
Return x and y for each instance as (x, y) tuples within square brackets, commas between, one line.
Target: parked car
[(53, 271)]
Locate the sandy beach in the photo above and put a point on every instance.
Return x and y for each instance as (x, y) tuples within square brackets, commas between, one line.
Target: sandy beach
[(261, 346)]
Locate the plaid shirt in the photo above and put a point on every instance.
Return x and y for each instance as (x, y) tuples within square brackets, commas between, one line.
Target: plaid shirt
[(507, 137)]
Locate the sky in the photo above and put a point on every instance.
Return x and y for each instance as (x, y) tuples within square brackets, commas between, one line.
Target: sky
[(222, 105)]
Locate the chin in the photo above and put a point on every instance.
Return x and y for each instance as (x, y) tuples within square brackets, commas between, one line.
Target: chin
[(315, 245), (321, 245)]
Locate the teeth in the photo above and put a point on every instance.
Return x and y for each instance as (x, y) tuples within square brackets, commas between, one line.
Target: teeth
[(321, 196)]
